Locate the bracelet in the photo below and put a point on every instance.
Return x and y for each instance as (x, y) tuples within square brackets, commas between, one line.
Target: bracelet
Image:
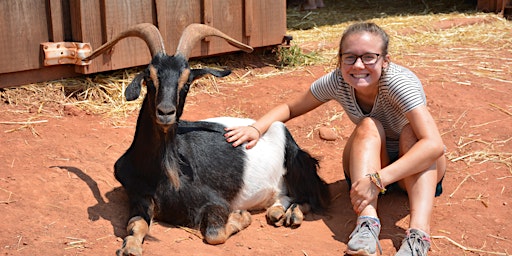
[(375, 179), (255, 129)]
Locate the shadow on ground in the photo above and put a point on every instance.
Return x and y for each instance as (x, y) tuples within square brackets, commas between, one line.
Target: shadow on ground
[(340, 11), (341, 219)]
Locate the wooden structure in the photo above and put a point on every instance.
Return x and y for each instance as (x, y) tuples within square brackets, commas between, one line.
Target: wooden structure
[(503, 7), (24, 25)]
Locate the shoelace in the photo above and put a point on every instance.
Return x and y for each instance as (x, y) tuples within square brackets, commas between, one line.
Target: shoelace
[(367, 225), (418, 243)]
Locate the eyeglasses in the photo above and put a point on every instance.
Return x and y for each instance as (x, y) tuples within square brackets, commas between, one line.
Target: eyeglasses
[(367, 58)]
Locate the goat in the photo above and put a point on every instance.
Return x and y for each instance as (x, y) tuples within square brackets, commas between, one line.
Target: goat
[(185, 173)]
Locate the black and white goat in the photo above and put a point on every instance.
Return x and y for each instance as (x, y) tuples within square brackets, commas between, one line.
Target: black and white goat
[(185, 173)]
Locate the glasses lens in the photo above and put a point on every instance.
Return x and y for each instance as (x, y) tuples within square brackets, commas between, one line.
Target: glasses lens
[(349, 59), (369, 58)]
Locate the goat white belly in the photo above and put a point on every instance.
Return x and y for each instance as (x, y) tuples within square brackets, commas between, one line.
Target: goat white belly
[(263, 169)]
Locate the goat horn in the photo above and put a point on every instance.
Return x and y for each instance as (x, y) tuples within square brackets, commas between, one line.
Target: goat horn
[(195, 32), (145, 31)]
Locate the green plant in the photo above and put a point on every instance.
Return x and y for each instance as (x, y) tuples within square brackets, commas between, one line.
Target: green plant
[(293, 56)]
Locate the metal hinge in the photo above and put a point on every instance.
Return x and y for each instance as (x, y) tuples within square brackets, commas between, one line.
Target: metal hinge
[(65, 53)]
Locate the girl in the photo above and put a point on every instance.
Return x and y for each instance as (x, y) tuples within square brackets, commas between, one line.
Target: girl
[(395, 142)]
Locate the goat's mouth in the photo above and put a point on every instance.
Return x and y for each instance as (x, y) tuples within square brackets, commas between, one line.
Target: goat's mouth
[(166, 122), (165, 127), (167, 119)]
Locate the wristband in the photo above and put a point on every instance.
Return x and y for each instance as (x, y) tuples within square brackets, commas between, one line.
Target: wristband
[(255, 129)]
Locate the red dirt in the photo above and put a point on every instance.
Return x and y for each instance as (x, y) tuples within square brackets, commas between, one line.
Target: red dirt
[(58, 195)]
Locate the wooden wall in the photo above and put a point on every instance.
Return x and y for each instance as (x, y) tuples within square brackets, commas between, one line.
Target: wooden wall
[(27, 23), (493, 5)]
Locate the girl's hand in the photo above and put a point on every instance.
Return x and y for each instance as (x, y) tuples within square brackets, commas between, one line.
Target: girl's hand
[(362, 194), (239, 134)]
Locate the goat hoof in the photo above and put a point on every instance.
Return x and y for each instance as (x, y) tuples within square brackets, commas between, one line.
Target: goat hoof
[(294, 216), (275, 215), (131, 247), (128, 252), (243, 217)]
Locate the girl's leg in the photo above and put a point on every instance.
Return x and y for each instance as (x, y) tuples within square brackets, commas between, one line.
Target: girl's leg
[(364, 153), (420, 187)]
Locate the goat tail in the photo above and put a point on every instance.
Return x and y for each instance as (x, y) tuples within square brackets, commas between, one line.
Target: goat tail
[(304, 184)]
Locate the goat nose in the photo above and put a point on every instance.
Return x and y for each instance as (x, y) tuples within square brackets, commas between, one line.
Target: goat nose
[(166, 112), (166, 115)]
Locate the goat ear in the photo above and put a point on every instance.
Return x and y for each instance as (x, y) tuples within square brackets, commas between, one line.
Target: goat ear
[(132, 92), (198, 73)]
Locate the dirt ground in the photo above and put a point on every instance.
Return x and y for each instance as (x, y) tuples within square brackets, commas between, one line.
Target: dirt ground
[(58, 195)]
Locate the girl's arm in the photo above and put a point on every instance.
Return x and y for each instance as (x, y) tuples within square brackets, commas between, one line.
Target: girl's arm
[(284, 112), (423, 153)]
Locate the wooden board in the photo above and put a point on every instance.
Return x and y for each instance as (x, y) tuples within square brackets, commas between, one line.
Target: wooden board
[(22, 27), (25, 24), (173, 17), (492, 5)]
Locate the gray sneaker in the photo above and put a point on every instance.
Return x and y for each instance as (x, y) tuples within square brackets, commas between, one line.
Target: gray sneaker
[(416, 243), (365, 237)]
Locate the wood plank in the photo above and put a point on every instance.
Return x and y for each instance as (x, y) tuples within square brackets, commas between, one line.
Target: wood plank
[(55, 16), (173, 17), (495, 6), (86, 27), (120, 15), (37, 75), (268, 31), (23, 25), (208, 15), (248, 17), (227, 17)]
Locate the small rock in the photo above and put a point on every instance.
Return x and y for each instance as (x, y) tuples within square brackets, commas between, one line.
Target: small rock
[(328, 134)]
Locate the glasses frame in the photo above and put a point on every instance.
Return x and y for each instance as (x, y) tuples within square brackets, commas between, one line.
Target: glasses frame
[(360, 57)]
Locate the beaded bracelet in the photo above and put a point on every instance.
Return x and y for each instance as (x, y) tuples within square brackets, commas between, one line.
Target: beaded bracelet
[(375, 179), (258, 130)]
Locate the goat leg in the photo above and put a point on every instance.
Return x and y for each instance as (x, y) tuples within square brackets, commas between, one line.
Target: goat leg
[(275, 215), (138, 228), (294, 215), (237, 221)]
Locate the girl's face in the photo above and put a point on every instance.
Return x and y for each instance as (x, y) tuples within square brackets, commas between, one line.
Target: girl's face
[(363, 46)]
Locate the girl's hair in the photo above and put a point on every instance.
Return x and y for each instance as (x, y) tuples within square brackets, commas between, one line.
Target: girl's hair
[(369, 27)]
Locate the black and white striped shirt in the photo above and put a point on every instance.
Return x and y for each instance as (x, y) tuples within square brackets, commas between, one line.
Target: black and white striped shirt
[(400, 91)]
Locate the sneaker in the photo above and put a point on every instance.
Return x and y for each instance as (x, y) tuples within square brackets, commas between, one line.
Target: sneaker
[(416, 243), (365, 237)]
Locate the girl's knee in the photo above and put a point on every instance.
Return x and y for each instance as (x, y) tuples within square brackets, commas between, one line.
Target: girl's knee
[(407, 139), (370, 127)]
